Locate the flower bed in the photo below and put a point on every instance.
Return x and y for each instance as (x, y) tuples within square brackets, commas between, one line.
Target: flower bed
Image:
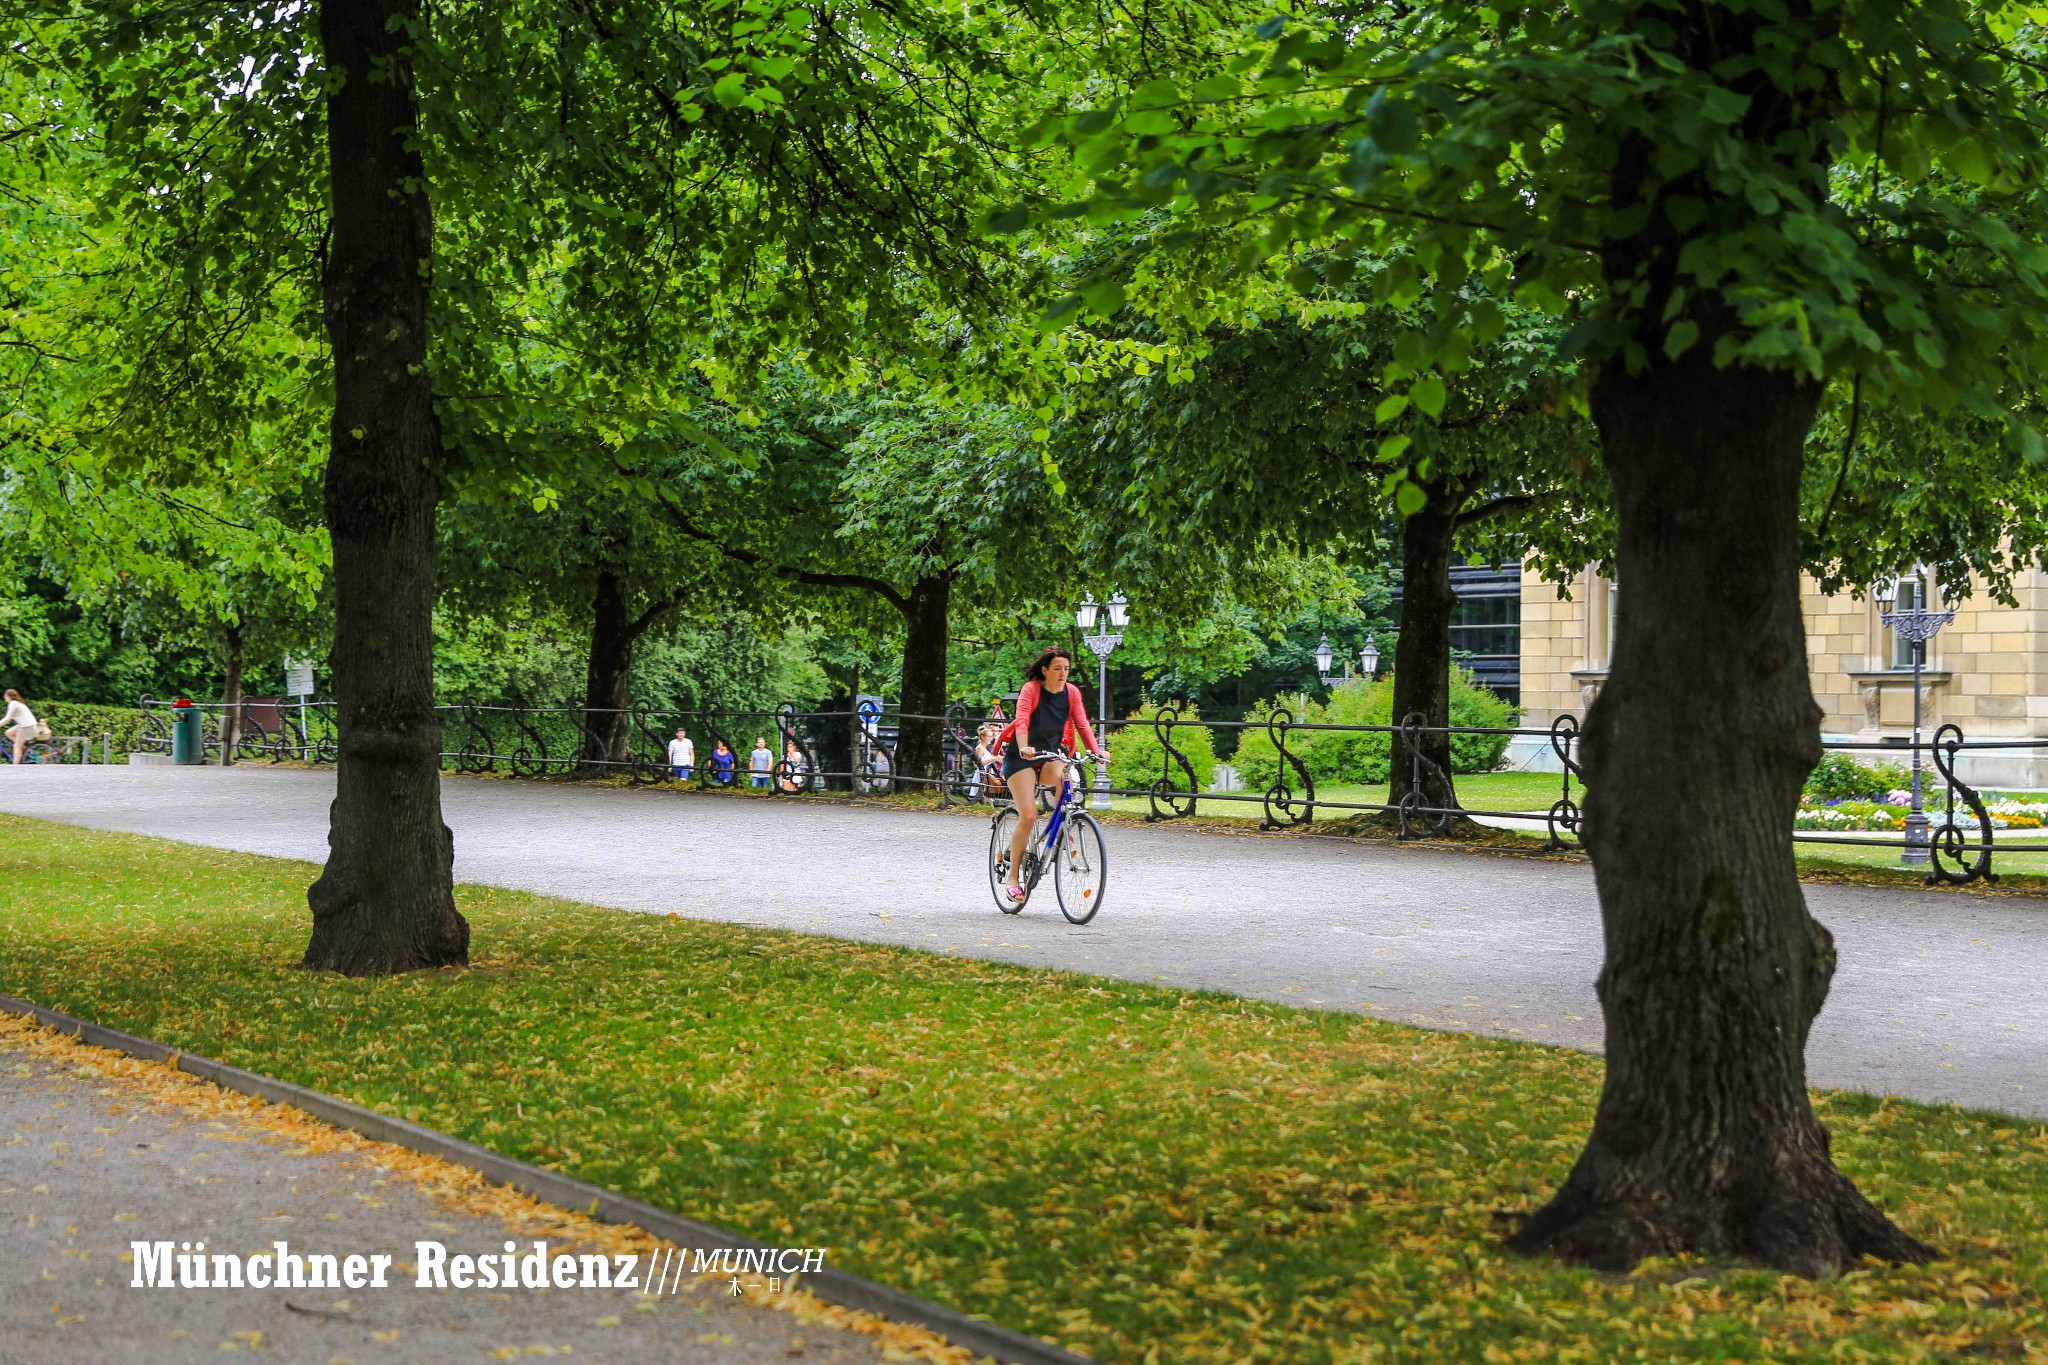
[(1890, 814)]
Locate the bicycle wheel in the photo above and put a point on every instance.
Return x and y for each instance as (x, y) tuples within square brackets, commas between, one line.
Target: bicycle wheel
[(1080, 868), (1001, 830)]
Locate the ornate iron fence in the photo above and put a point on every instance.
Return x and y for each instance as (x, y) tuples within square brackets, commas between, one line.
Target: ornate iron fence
[(852, 753)]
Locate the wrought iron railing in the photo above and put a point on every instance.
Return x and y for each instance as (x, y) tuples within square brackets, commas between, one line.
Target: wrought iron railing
[(811, 751)]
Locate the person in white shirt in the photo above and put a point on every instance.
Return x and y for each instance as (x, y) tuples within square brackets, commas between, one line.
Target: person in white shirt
[(20, 723), (682, 756)]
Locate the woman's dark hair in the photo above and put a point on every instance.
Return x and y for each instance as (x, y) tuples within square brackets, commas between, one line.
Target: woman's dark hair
[(1036, 673)]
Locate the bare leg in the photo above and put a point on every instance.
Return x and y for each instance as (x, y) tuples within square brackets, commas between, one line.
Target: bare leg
[(20, 748), (1024, 791), (1053, 775)]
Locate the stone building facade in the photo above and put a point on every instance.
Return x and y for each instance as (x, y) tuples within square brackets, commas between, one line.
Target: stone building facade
[(1986, 672)]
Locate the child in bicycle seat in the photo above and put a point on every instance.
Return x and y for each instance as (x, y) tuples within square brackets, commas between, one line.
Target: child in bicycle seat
[(988, 764)]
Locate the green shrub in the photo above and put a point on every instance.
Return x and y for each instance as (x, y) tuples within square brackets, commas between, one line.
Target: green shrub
[(1480, 708), (1364, 756), (1352, 756), (94, 721), (1136, 758), (1842, 777), (1258, 759)]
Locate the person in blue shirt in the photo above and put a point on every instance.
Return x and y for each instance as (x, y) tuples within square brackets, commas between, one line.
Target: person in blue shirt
[(722, 764)]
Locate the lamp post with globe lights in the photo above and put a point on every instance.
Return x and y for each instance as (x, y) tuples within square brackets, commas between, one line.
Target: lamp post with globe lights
[(1369, 659), (1917, 625), (1102, 630), (1324, 655)]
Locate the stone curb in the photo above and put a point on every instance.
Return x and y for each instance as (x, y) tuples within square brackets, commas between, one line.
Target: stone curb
[(832, 1286)]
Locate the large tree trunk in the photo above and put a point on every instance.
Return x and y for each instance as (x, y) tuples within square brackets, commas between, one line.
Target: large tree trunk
[(386, 900), (1704, 1139), (230, 692), (607, 679), (1422, 656), (921, 744)]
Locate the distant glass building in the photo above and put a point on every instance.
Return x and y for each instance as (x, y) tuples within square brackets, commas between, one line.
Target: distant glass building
[(1486, 628)]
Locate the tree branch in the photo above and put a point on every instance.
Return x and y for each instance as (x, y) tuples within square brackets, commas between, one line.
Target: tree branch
[(859, 582), (1518, 502)]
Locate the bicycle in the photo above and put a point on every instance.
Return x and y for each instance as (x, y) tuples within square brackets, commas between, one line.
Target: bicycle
[(38, 751), (1072, 843)]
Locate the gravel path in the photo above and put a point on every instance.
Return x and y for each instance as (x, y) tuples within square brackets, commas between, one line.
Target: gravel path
[(1937, 997), (97, 1152)]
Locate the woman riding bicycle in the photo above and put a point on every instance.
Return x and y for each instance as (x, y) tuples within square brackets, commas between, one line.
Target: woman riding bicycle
[(1049, 711)]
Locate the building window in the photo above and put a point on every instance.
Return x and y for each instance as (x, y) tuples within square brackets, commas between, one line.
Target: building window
[(1487, 626), (1898, 651)]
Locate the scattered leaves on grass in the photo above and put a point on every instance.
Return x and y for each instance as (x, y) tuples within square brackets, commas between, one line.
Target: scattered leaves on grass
[(1140, 1173)]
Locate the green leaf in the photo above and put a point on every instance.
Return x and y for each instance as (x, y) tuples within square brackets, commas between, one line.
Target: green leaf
[(1684, 211), (1157, 94), (1429, 393), (2032, 448), (1390, 407), (730, 89), (1410, 499), (1393, 447), (1013, 219), (1723, 105), (1394, 125), (1102, 296), (1681, 337)]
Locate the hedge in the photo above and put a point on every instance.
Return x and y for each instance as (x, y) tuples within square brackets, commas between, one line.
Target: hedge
[(93, 721), (1356, 756)]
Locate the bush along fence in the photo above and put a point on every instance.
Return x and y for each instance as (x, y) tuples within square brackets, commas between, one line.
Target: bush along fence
[(1167, 756)]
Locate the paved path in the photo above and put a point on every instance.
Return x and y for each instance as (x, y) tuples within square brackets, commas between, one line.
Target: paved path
[(93, 1157), (1938, 996)]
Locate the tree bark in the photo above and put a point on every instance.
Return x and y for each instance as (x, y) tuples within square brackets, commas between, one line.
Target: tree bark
[(608, 676), (1704, 1140), (385, 901), (231, 692), (1422, 656), (921, 744)]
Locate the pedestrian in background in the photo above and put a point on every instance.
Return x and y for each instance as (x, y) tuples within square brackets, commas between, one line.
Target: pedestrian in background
[(760, 763), (20, 723), (721, 764), (794, 777), (682, 756)]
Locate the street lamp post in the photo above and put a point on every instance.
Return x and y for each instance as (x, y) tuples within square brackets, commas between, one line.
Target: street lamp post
[(1369, 659), (1918, 625), (1324, 654), (1102, 630)]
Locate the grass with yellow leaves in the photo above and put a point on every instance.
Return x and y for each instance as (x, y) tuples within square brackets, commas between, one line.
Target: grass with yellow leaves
[(1143, 1174)]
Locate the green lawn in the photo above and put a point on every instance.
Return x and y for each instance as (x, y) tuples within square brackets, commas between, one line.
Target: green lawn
[(1145, 1174)]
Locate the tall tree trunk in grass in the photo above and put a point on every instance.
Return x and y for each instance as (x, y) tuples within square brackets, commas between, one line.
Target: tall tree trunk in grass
[(385, 901), (1704, 1139), (921, 744), (1422, 656), (230, 691)]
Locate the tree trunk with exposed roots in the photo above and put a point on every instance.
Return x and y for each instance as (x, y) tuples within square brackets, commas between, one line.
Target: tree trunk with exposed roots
[(1695, 751)]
